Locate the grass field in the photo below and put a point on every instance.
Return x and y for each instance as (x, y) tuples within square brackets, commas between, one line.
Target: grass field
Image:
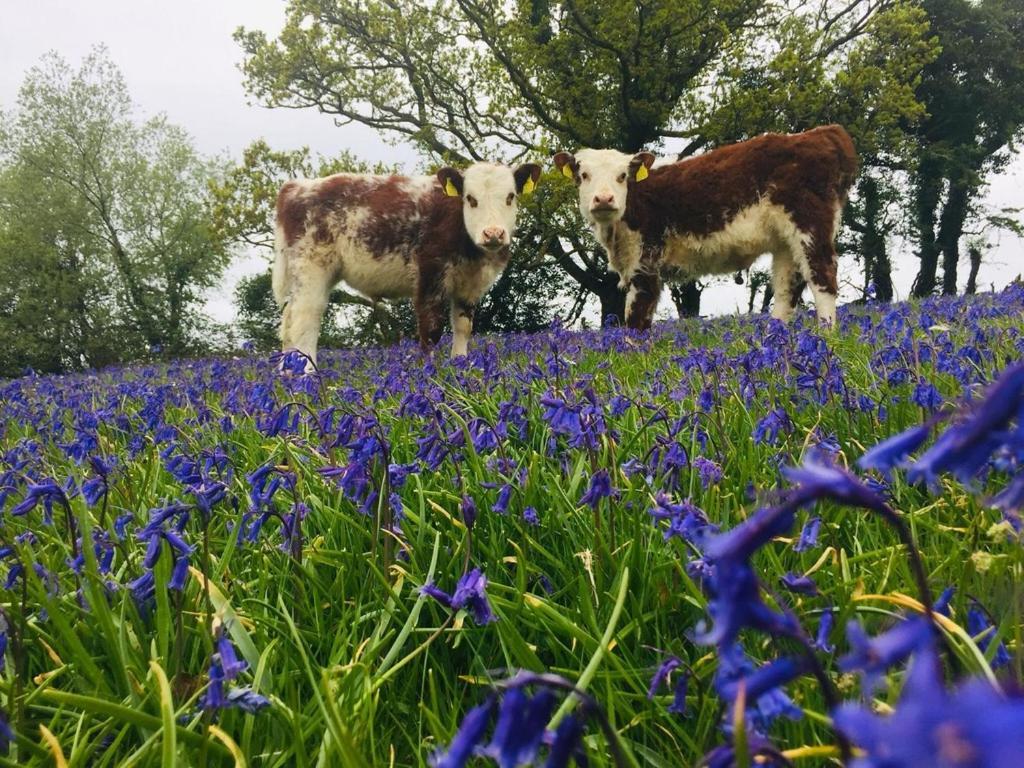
[(159, 521)]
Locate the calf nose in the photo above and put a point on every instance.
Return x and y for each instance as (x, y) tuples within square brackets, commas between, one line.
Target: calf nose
[(494, 235), (604, 198)]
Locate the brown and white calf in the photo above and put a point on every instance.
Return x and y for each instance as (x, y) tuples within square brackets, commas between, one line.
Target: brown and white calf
[(442, 239), (716, 213)]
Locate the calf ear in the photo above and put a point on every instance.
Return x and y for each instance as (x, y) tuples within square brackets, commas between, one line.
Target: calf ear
[(526, 175), (566, 164), (640, 165), (451, 181)]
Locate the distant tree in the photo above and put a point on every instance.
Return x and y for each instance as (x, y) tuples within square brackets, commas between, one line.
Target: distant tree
[(467, 79), (105, 252), (974, 96)]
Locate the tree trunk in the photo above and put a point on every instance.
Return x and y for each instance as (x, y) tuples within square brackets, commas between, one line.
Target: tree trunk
[(926, 200), (686, 297), (951, 227), (769, 294), (972, 279), (877, 268)]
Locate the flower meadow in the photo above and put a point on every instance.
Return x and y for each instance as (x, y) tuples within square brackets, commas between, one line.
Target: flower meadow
[(724, 543)]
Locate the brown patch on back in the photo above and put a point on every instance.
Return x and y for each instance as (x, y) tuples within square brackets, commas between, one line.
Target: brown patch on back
[(808, 173), (291, 213)]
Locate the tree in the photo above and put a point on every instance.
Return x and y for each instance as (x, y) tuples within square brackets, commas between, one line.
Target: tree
[(116, 207), (974, 96), (466, 79)]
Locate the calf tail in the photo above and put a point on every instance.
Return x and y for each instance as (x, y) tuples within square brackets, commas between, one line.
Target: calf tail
[(279, 274)]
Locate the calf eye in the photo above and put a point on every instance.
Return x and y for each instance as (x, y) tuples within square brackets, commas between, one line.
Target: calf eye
[(471, 200), (622, 177), (510, 198), (584, 175)]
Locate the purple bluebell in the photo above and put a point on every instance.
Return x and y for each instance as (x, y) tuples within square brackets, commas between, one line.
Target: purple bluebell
[(565, 743), (981, 629), (889, 453), (825, 624), (519, 730), (469, 593), (468, 509), (873, 656), (504, 496), (974, 725), (466, 740), (803, 585), (246, 699), (735, 600), (808, 535), (710, 473), (770, 425), (661, 675), (530, 516), (600, 488)]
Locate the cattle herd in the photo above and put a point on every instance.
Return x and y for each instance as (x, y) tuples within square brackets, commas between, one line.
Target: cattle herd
[(444, 239)]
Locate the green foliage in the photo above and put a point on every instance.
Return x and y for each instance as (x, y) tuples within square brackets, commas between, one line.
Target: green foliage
[(362, 669), (465, 79), (105, 250)]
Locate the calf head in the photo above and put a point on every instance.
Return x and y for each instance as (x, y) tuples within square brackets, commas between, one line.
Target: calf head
[(603, 178), (490, 197)]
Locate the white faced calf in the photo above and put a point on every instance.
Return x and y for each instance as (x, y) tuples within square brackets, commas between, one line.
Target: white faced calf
[(716, 213), (443, 240)]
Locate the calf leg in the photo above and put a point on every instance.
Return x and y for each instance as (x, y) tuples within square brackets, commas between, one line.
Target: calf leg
[(644, 291), (825, 287), (428, 302), (462, 326), (302, 315), (787, 285)]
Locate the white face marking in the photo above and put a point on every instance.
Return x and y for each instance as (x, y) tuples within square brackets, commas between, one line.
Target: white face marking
[(603, 175), (489, 204)]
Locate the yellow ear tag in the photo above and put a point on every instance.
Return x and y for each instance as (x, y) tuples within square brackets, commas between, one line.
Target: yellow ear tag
[(641, 173), (450, 190), (528, 187), (567, 171)]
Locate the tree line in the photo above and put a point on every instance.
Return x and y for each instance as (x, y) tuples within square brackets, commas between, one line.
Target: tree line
[(99, 245)]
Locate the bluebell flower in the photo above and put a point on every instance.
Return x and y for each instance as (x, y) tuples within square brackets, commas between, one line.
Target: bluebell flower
[(825, 624), (678, 705), (501, 503), (735, 600), (808, 535), (710, 473), (519, 730), (873, 656), (470, 734), (231, 665), (661, 674), (983, 632), (975, 725), (803, 585), (600, 488), (468, 509), (246, 699), (765, 698), (530, 516), (770, 425), (891, 452), (926, 395), (565, 743), (469, 593)]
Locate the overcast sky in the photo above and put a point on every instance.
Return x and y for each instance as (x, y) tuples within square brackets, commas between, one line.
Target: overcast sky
[(179, 58)]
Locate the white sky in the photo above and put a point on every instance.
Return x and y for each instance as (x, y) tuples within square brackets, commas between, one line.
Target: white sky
[(179, 58)]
